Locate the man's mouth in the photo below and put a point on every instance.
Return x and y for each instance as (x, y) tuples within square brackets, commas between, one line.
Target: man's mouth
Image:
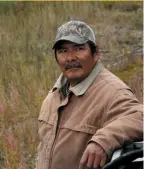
[(72, 65)]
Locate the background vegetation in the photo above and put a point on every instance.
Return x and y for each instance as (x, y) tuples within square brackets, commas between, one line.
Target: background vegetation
[(28, 68)]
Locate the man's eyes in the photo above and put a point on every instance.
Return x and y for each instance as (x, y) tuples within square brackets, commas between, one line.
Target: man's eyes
[(62, 50), (79, 48)]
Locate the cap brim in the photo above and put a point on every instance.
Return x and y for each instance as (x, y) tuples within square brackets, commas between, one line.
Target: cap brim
[(71, 38)]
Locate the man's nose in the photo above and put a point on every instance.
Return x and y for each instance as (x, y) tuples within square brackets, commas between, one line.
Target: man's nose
[(70, 56)]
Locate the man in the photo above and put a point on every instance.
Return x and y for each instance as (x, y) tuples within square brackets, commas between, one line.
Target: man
[(89, 112)]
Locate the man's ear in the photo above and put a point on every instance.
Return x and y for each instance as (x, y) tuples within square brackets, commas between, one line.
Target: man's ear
[(97, 54)]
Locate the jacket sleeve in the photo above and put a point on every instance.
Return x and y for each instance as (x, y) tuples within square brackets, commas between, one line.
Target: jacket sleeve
[(123, 122)]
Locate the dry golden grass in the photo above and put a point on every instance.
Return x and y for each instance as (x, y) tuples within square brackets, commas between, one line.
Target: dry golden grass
[(28, 68)]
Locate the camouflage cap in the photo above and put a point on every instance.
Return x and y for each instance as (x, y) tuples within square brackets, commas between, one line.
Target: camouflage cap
[(75, 31)]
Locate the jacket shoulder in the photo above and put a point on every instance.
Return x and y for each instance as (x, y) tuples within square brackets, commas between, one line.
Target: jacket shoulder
[(45, 106), (111, 81)]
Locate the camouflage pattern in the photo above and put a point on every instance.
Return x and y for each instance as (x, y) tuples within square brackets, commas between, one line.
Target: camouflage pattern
[(75, 31)]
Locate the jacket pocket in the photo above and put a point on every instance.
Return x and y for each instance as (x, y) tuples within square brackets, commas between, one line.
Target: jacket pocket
[(85, 128)]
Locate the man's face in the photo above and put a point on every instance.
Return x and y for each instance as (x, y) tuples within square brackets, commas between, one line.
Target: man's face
[(75, 61)]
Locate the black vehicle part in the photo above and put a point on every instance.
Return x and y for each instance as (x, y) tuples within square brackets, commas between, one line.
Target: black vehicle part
[(127, 157), (124, 159)]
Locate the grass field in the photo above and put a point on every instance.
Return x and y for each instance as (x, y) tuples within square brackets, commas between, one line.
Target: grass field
[(28, 68)]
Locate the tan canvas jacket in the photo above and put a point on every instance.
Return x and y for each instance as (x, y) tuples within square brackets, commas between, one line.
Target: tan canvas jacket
[(101, 109)]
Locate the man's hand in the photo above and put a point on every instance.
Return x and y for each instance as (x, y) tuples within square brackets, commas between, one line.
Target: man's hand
[(93, 157)]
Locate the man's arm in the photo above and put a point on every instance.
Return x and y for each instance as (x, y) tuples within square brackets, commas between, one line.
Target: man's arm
[(123, 123)]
